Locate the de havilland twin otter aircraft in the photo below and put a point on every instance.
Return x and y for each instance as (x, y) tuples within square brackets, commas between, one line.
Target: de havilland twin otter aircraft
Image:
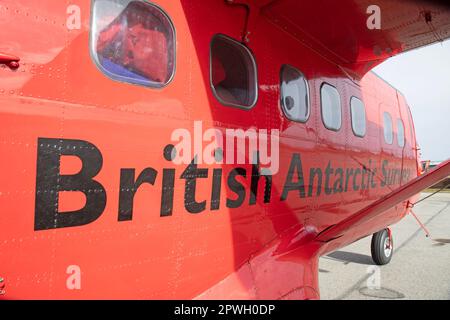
[(195, 149)]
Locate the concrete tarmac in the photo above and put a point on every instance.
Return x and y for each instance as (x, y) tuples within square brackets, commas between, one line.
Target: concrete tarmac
[(419, 269)]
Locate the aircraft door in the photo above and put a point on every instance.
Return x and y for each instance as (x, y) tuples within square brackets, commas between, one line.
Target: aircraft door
[(362, 148)]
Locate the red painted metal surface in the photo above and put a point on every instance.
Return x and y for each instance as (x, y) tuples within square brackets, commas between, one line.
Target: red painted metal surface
[(261, 250), (402, 194)]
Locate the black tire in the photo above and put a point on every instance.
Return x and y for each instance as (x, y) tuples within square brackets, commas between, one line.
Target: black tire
[(379, 254)]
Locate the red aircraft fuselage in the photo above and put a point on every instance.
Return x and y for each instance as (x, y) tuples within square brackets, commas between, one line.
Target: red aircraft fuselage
[(86, 183)]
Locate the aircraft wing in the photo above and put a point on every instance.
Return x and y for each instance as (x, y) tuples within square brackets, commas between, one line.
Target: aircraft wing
[(339, 30), (380, 206)]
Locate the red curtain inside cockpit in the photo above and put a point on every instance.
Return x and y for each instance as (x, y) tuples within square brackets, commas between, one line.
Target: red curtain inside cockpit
[(138, 40)]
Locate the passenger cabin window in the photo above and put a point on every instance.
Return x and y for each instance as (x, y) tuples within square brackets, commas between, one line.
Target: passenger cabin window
[(358, 113), (400, 133), (388, 128), (233, 73), (133, 41), (294, 94), (331, 107)]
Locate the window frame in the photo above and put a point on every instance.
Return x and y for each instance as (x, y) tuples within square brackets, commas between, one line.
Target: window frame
[(255, 68), (121, 79), (308, 94), (321, 107), (399, 120), (365, 117), (384, 128)]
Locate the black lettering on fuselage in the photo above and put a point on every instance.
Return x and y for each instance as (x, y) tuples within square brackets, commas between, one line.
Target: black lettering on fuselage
[(168, 186), (256, 175), (384, 177), (373, 183), (236, 187), (328, 172), (348, 174), (313, 172), (338, 183), (216, 187), (363, 175), (129, 187), (191, 174), (49, 182), (290, 185), (355, 184)]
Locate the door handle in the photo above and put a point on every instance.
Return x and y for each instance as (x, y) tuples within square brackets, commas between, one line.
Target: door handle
[(9, 60)]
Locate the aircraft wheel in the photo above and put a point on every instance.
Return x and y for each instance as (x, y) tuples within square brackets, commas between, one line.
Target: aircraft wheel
[(382, 247)]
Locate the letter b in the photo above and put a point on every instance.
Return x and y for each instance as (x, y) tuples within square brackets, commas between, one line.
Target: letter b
[(49, 182)]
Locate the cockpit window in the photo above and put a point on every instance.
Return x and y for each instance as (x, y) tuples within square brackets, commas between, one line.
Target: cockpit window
[(133, 41), (233, 73)]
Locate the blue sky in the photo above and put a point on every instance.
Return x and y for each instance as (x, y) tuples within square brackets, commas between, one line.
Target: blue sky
[(423, 76)]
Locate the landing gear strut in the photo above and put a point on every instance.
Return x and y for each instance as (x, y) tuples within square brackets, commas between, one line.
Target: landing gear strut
[(382, 247)]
